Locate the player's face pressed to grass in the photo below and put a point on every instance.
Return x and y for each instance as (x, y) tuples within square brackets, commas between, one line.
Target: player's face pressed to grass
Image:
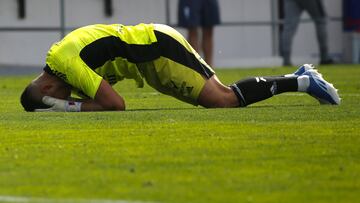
[(57, 89), (90, 64)]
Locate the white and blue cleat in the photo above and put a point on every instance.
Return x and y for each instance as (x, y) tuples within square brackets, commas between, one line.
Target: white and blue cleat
[(302, 69), (319, 88)]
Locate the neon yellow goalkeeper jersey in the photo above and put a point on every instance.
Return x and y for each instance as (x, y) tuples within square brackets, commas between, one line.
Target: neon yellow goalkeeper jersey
[(89, 54)]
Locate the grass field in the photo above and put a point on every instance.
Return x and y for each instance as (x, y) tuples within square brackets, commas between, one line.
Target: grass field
[(286, 149)]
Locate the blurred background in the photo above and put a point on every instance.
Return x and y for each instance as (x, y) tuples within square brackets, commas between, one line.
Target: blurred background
[(248, 36)]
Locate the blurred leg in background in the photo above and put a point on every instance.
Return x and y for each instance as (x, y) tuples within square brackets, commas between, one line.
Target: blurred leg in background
[(292, 13), (196, 16), (293, 10)]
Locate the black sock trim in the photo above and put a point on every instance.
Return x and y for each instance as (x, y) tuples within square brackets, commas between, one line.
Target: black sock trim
[(239, 95)]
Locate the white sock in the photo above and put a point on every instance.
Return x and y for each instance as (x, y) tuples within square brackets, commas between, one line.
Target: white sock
[(303, 83)]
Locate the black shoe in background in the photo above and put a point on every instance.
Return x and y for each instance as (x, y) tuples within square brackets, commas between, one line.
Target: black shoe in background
[(327, 62), (287, 63)]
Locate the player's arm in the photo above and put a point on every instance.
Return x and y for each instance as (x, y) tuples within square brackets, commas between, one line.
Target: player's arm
[(81, 77), (106, 99)]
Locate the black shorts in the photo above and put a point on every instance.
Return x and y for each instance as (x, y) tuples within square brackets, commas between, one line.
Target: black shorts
[(196, 13)]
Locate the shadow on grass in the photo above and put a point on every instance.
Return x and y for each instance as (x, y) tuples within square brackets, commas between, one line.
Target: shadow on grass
[(206, 109)]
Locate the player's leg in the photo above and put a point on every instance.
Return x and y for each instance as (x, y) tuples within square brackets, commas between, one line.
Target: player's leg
[(251, 90), (182, 73), (255, 89), (216, 95), (246, 91)]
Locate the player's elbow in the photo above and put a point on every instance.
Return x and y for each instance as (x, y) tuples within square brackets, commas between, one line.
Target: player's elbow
[(112, 105), (118, 106)]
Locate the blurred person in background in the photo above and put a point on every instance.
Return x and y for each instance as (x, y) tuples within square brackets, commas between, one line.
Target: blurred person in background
[(196, 14), (292, 15), (351, 12)]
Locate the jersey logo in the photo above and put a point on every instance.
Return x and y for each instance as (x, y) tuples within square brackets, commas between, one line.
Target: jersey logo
[(274, 88), (111, 79), (120, 29), (258, 79), (183, 89), (60, 75)]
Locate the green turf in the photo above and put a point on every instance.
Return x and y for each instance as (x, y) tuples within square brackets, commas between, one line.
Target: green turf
[(286, 149)]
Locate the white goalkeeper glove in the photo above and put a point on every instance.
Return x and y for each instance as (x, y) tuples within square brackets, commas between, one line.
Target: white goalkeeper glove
[(60, 105)]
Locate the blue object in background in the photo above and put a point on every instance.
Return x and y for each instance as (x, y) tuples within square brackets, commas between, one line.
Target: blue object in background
[(351, 14)]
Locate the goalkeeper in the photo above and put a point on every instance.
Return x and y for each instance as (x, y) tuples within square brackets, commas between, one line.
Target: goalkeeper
[(89, 60)]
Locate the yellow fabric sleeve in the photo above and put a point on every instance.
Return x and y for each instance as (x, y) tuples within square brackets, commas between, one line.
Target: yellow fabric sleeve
[(81, 77)]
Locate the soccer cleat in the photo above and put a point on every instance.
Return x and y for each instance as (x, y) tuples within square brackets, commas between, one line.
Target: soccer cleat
[(302, 69), (320, 89)]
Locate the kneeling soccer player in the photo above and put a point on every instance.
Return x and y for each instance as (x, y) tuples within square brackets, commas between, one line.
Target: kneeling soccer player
[(91, 59)]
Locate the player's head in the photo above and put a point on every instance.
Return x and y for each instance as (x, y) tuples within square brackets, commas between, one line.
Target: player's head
[(44, 85)]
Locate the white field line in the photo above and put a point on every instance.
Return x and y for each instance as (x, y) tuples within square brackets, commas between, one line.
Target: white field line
[(16, 199)]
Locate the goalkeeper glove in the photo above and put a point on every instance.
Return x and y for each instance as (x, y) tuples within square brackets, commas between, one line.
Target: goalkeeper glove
[(60, 105)]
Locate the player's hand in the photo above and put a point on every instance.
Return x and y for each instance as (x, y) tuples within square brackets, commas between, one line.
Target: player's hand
[(60, 105)]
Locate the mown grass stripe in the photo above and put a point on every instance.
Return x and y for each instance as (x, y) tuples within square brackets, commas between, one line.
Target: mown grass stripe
[(17, 199)]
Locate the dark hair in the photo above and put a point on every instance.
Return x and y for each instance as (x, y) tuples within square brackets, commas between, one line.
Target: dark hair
[(29, 100)]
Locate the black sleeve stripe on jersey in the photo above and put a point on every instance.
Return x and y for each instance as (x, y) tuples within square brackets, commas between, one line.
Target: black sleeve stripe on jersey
[(174, 50), (106, 49), (48, 70)]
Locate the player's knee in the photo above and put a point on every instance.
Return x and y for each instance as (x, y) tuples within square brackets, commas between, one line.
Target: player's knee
[(216, 95), (217, 101), (222, 102)]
